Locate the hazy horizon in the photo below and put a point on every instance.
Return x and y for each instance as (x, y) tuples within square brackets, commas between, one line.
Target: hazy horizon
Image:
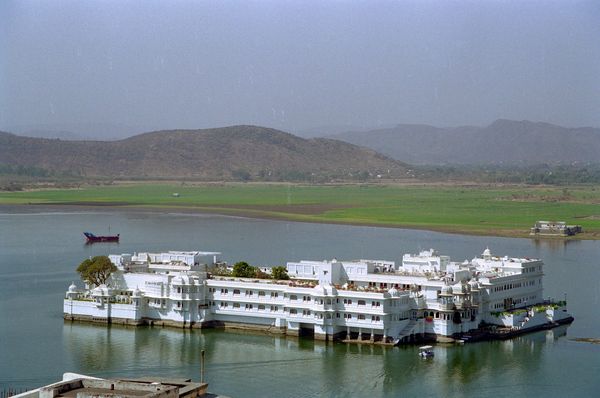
[(121, 68)]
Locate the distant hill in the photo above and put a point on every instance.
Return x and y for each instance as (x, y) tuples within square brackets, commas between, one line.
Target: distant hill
[(77, 131), (502, 142), (333, 129), (238, 152)]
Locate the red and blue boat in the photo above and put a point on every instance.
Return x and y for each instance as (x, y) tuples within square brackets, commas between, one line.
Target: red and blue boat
[(91, 238)]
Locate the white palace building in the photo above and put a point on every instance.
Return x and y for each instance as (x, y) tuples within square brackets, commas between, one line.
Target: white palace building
[(368, 300)]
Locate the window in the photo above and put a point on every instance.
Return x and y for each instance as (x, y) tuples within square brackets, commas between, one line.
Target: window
[(274, 294), (361, 302), (236, 291), (293, 311), (261, 307), (261, 293), (236, 305), (293, 297), (361, 317)]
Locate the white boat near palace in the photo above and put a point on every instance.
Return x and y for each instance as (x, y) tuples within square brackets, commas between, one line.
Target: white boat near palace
[(428, 296)]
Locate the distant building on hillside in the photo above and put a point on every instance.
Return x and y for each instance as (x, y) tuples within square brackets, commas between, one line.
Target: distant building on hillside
[(555, 228)]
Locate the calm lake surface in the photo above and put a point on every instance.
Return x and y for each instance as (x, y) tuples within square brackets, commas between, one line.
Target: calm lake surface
[(39, 251)]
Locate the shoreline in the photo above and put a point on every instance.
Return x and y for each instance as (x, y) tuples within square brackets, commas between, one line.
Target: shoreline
[(266, 214)]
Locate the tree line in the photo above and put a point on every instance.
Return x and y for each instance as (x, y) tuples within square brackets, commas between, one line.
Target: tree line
[(533, 175), (242, 269)]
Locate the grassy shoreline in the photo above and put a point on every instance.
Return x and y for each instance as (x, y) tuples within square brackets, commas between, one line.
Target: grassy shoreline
[(476, 210)]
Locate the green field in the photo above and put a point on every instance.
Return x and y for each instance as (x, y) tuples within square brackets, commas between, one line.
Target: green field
[(503, 211)]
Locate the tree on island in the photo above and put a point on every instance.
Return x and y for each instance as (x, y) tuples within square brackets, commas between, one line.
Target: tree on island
[(279, 272), (220, 269), (97, 270), (242, 269)]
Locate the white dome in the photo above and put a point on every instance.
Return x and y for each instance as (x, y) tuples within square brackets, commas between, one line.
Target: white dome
[(393, 292), (137, 292), (100, 291), (72, 288), (446, 289), (487, 252), (474, 285)]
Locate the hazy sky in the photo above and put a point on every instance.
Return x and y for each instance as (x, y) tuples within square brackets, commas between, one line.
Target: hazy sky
[(298, 64)]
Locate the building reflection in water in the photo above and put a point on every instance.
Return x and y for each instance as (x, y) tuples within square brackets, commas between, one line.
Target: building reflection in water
[(555, 245), (284, 365)]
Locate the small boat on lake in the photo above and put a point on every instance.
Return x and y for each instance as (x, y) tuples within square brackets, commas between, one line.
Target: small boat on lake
[(426, 351), (91, 238)]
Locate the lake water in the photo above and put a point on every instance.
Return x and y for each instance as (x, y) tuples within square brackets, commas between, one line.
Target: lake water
[(39, 252)]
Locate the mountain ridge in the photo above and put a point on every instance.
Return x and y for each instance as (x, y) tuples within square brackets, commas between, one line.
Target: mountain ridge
[(235, 152), (502, 142)]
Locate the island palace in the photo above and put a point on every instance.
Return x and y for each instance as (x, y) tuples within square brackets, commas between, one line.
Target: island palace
[(427, 297)]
